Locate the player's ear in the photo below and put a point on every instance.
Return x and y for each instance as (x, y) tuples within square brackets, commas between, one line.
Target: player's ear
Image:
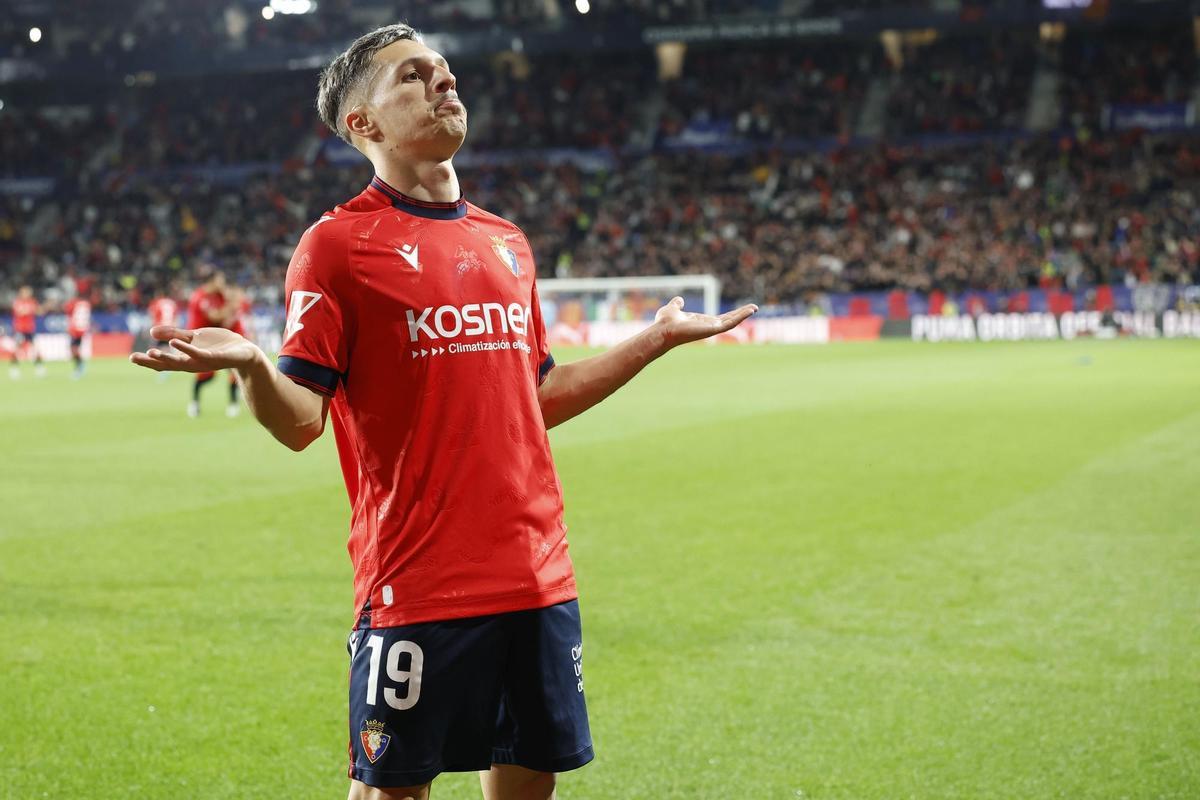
[(360, 122)]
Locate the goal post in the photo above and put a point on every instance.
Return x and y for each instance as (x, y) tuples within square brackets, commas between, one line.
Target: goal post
[(611, 290), (603, 311)]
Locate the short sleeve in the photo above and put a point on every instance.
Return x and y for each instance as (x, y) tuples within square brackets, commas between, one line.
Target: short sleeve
[(543, 361), (316, 338)]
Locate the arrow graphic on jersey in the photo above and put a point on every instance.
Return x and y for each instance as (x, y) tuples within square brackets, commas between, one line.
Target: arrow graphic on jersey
[(409, 253), (300, 304)]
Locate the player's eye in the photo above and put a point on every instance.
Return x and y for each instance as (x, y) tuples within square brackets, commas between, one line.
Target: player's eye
[(413, 76)]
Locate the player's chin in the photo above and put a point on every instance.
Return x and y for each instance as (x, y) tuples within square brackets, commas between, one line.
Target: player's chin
[(454, 127)]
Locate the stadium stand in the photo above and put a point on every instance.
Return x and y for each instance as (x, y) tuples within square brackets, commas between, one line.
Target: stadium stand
[(750, 163)]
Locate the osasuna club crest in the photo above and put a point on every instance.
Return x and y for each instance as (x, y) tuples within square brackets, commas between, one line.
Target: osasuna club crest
[(374, 740), (506, 254)]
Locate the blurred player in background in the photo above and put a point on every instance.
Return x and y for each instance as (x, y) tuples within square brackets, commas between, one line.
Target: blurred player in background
[(25, 311), (467, 654), (209, 307), (79, 322), (164, 311), (239, 309)]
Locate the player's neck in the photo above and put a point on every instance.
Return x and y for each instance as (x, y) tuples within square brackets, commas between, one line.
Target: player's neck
[(431, 181)]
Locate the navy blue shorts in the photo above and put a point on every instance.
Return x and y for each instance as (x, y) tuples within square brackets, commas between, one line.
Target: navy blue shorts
[(461, 695), (26, 338)]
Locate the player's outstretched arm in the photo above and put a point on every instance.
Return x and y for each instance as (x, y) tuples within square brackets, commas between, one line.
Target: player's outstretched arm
[(292, 413), (571, 389)]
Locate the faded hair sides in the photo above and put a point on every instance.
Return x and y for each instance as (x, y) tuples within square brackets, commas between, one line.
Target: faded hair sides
[(351, 72)]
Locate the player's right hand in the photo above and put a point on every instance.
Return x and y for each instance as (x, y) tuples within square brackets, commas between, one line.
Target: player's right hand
[(200, 350)]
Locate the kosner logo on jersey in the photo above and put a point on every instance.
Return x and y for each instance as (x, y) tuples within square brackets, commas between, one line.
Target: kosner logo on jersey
[(473, 319)]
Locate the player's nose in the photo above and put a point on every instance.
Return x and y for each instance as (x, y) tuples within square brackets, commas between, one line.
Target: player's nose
[(443, 80)]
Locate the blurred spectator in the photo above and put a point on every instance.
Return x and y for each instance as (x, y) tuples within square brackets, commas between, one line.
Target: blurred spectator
[(1130, 66), (963, 84)]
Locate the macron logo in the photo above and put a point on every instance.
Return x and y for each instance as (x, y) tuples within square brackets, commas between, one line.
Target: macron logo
[(409, 253), (300, 304)]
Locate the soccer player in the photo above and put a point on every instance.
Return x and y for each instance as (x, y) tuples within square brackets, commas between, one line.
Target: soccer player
[(467, 652), (164, 310), (207, 307), (164, 313), (79, 322), (239, 322), (25, 310)]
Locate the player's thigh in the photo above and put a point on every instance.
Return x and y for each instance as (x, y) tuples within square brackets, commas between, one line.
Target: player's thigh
[(510, 782), (360, 791), (543, 724)]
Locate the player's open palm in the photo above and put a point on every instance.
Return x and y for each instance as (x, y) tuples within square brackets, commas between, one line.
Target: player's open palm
[(687, 326), (200, 350)]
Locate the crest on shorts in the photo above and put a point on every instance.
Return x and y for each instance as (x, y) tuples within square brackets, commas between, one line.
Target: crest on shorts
[(374, 740), (506, 254)]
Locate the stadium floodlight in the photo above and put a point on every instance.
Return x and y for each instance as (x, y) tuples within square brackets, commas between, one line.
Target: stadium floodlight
[(268, 13), (583, 6), (35, 35), (293, 6)]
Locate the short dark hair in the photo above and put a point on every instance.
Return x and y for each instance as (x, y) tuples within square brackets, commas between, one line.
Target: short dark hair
[(352, 70)]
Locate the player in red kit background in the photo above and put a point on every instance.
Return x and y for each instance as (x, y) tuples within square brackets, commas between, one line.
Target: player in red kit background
[(239, 307), (413, 316), (163, 310), (79, 322), (25, 311), (208, 307)]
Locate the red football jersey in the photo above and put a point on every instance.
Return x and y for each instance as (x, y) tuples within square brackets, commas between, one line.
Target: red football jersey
[(24, 311), (163, 311), (79, 317), (201, 305), (240, 323), (421, 320)]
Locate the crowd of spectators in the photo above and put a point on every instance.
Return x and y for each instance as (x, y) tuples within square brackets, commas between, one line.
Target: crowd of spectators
[(963, 84), (763, 93), (774, 227), (772, 93), (1123, 67), (777, 228), (556, 101), (137, 202)]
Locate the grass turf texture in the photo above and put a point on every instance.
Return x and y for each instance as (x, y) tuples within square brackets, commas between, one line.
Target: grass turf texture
[(857, 571)]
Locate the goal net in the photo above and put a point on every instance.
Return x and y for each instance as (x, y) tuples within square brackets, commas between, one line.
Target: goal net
[(604, 311)]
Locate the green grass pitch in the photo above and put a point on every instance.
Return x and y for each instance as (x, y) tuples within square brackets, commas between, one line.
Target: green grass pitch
[(858, 571)]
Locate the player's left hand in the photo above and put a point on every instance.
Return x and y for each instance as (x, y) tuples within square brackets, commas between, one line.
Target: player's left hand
[(680, 327), (199, 350)]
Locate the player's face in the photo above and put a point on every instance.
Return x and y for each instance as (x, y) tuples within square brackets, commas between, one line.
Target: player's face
[(414, 102)]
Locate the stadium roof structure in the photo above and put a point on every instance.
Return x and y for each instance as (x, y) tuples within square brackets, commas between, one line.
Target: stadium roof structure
[(117, 38)]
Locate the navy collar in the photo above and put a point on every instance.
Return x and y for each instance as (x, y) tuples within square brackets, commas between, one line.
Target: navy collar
[(420, 208)]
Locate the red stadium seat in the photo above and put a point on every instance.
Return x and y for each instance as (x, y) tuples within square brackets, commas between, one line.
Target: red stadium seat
[(937, 299), (1060, 303)]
